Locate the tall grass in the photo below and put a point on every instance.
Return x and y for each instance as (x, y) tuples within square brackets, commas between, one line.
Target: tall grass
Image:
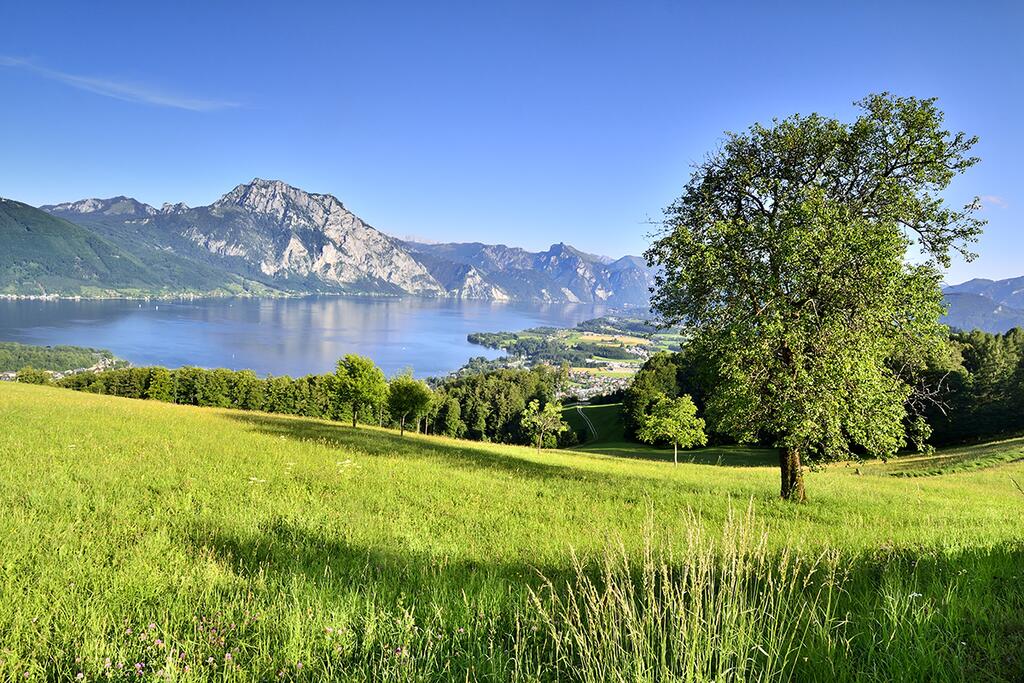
[(732, 609), (718, 609)]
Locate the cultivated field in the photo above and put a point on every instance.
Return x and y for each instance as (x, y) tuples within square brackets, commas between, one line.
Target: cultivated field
[(146, 541)]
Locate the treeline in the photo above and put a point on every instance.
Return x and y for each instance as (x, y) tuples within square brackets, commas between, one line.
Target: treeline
[(609, 325), (549, 350), (683, 373), (978, 389), (15, 356), (973, 391), (485, 406), (311, 396)]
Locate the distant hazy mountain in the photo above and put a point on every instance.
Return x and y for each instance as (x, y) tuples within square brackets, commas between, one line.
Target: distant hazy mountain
[(1009, 292), (985, 305), (561, 273), (269, 234)]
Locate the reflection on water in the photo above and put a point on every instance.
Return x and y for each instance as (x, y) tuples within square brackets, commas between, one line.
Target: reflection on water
[(281, 336)]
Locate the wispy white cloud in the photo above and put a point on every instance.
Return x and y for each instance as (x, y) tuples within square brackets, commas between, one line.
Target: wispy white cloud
[(120, 90), (990, 200)]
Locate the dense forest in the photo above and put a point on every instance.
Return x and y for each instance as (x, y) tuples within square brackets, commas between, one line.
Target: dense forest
[(15, 356)]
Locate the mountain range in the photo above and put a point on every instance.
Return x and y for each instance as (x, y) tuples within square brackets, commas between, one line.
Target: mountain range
[(267, 237), (990, 305)]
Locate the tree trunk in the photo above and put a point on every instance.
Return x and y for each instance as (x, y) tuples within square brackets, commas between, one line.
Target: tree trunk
[(401, 426), (675, 453), (792, 472), (354, 412)]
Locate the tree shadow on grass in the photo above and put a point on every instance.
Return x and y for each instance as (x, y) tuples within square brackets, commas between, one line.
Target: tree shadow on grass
[(723, 456), (283, 551), (380, 443)]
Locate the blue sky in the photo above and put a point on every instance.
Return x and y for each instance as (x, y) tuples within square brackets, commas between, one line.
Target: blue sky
[(518, 122)]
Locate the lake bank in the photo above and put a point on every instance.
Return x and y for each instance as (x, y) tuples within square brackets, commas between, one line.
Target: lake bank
[(291, 335)]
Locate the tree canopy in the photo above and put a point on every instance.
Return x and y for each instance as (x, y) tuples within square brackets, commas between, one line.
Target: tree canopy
[(360, 383), (673, 420), (789, 258), (407, 398), (541, 422)]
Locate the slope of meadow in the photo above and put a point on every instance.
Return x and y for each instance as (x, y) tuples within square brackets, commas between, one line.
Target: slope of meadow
[(144, 540)]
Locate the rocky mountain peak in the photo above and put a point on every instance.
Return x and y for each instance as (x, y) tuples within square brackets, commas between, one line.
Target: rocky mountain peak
[(277, 199), (567, 251), (113, 206), (180, 207)]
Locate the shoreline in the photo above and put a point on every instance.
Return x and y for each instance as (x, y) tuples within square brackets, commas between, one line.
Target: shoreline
[(192, 296), (613, 309)]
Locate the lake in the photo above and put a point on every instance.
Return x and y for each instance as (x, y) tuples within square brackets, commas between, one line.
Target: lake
[(282, 336)]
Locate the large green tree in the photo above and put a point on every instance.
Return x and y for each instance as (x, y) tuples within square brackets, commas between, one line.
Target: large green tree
[(360, 383), (805, 257)]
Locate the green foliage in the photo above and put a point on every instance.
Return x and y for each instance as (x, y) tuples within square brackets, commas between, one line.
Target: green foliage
[(360, 384), (161, 385), (786, 256), (673, 420), (14, 356), (449, 419), (247, 391), (666, 374), (312, 396), (408, 399), (486, 406), (655, 379), (542, 422), (491, 403), (976, 387), (30, 375)]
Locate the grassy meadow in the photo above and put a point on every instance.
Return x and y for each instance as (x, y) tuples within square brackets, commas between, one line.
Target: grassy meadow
[(147, 541)]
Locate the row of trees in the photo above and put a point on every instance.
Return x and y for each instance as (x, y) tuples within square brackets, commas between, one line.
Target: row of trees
[(312, 395), (509, 406), (973, 388)]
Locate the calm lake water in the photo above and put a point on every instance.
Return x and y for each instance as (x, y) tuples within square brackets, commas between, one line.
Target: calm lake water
[(281, 336)]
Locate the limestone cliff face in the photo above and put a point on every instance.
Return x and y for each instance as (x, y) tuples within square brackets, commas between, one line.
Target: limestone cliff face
[(290, 239), (288, 233)]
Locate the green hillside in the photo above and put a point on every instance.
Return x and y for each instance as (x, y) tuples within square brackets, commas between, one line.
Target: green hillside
[(203, 544), (45, 255), (596, 424), (605, 435)]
